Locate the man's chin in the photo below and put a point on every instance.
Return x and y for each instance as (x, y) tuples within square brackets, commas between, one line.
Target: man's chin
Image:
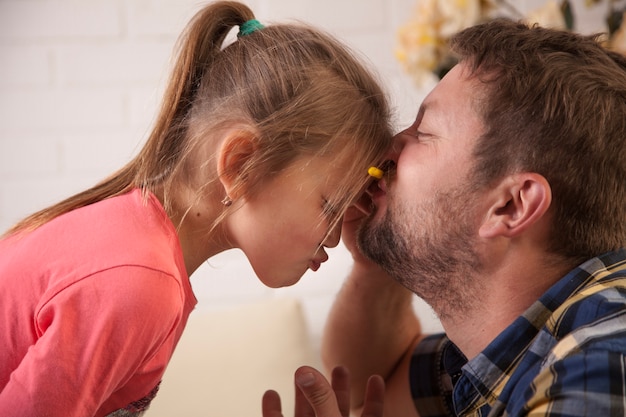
[(365, 229), (371, 236)]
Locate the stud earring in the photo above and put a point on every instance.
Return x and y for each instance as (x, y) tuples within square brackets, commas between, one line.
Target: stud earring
[(227, 201)]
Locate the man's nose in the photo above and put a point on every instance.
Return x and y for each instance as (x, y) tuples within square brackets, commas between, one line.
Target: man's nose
[(391, 157)]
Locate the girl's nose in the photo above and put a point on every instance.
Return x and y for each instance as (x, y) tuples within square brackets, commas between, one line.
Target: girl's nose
[(333, 237)]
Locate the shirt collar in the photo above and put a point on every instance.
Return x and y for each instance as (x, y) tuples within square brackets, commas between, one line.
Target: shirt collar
[(484, 377)]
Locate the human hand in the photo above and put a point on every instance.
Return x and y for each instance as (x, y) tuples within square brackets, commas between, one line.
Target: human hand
[(315, 397)]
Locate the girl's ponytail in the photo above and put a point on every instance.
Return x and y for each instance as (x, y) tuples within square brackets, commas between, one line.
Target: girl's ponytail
[(197, 48), (297, 89), (159, 157)]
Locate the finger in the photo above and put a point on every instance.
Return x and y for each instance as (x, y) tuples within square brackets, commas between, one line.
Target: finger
[(341, 385), (373, 405), (302, 407), (317, 391), (270, 404)]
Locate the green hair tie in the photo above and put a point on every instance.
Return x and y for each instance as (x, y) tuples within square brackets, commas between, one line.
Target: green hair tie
[(248, 27)]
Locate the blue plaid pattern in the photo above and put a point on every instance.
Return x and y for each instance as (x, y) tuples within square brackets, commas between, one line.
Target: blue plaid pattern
[(564, 357)]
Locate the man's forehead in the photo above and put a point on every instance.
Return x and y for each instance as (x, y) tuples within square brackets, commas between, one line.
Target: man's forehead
[(434, 107), (452, 105)]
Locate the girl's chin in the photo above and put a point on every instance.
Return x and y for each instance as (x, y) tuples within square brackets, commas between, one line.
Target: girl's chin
[(314, 265), (283, 282)]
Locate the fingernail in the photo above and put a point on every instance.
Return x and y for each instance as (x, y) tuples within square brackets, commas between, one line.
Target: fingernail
[(305, 379)]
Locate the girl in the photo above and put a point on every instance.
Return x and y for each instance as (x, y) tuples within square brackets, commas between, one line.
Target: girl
[(259, 145)]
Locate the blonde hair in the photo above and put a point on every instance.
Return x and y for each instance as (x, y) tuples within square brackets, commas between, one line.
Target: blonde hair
[(298, 89)]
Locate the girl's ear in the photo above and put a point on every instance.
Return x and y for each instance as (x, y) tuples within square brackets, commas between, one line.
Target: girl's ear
[(236, 149), (521, 200)]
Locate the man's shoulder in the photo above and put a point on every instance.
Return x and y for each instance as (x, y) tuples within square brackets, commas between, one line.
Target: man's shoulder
[(594, 322), (595, 305)]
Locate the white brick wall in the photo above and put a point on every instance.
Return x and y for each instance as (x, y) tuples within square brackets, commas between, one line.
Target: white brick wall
[(79, 86), (80, 82)]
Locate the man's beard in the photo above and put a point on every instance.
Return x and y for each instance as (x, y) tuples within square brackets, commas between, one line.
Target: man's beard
[(430, 249)]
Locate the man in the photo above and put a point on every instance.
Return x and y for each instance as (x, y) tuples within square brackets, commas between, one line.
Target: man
[(505, 212)]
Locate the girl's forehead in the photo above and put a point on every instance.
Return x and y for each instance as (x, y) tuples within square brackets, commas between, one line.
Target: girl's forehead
[(336, 171)]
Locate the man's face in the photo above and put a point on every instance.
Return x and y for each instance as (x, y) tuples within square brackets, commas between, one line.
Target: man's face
[(424, 228)]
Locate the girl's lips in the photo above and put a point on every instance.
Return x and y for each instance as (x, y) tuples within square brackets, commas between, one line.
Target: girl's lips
[(316, 263)]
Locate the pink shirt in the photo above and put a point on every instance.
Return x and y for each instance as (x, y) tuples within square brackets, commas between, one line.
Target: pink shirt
[(92, 305)]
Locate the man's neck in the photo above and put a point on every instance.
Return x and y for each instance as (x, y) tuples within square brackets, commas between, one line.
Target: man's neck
[(510, 291)]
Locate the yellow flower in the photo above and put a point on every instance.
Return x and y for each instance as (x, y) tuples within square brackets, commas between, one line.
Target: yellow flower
[(590, 3), (618, 40), (456, 15), (549, 15), (422, 42)]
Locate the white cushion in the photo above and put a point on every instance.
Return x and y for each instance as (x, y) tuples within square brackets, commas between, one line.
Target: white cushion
[(227, 359)]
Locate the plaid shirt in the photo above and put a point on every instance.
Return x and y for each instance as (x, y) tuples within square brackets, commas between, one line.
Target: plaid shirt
[(565, 356)]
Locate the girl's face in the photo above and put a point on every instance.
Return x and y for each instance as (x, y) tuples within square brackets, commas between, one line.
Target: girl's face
[(283, 228)]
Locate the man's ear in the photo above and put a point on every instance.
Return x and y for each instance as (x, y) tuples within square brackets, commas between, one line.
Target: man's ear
[(521, 200), (236, 149)]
